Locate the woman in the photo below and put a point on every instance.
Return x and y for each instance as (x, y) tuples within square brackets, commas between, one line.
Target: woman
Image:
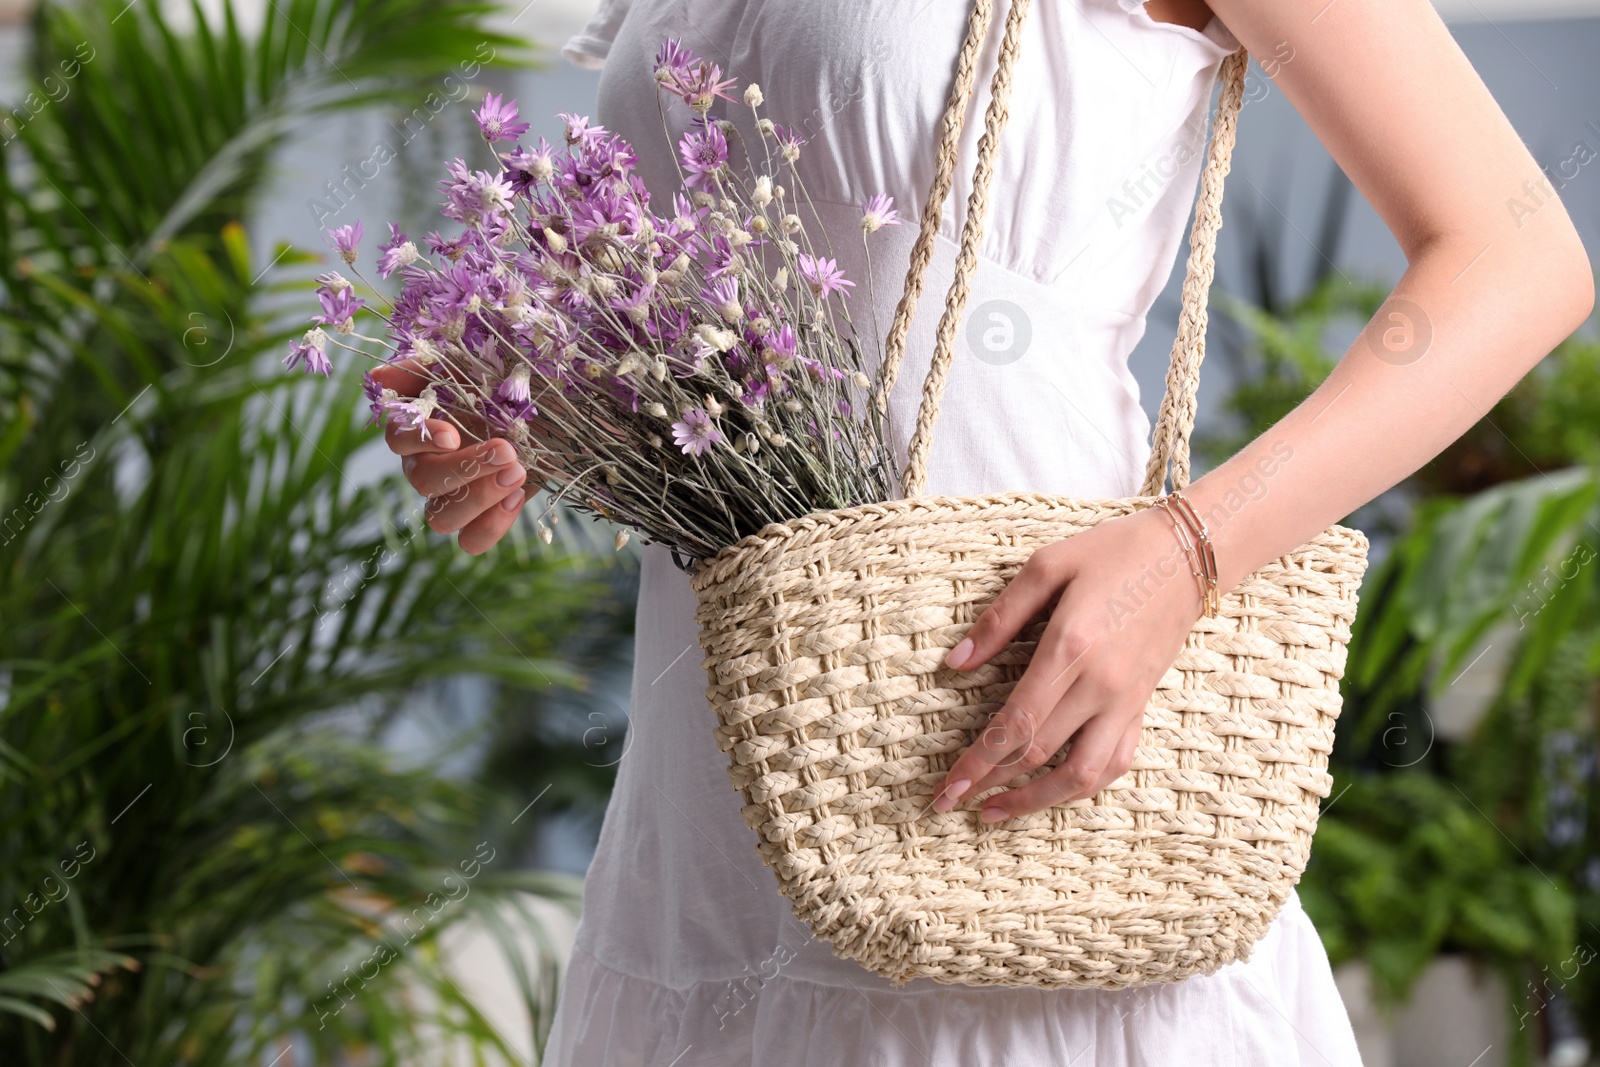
[(687, 954)]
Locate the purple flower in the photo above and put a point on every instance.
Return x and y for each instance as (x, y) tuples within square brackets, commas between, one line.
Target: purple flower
[(879, 212), (789, 143), (339, 306), (374, 391), (515, 387), (472, 197), (579, 131), (696, 434), (779, 345), (312, 349), (452, 249), (412, 413), (673, 62), (705, 153), (823, 275), (345, 239), (723, 294), (396, 252), (525, 169), (724, 258), (698, 85), (755, 392), (498, 120)]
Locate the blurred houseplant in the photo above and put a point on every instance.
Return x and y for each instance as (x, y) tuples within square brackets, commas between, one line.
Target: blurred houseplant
[(199, 862), (1483, 840)]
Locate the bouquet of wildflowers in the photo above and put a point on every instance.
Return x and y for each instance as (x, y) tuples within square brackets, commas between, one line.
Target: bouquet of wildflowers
[(692, 375)]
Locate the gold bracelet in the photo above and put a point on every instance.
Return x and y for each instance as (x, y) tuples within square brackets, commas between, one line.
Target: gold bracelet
[(1208, 554), (1195, 540)]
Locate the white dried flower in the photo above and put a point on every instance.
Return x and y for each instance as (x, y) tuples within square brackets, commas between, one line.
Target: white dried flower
[(726, 127), (612, 477), (717, 337), (656, 408), (702, 198), (759, 225), (424, 351), (861, 379), (655, 440), (752, 442), (406, 255), (777, 440), (781, 279), (556, 241), (779, 191), (792, 405), (620, 540), (714, 407), (545, 534), (752, 95), (761, 195), (791, 223), (766, 128), (658, 369), (335, 281)]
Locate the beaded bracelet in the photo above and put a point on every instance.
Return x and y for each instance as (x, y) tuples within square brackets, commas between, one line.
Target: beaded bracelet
[(1195, 539)]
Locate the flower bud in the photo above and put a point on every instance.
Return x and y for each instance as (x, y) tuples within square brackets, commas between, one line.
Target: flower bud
[(752, 95)]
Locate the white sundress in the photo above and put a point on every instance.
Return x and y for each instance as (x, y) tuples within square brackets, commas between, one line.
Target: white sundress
[(687, 955)]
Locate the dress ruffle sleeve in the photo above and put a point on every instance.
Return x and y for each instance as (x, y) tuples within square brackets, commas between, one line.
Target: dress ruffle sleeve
[(589, 47)]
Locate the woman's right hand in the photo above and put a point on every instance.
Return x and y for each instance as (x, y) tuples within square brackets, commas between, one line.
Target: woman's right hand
[(476, 491)]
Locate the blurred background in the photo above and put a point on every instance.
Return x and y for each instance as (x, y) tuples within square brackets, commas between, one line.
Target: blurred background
[(287, 780)]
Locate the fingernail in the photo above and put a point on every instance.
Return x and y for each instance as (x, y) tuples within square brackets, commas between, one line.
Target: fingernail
[(993, 814), (951, 795), (499, 455), (511, 502), (447, 440), (510, 477), (408, 464), (958, 656)]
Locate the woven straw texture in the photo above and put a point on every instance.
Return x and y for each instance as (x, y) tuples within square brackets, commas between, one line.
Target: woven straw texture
[(823, 639)]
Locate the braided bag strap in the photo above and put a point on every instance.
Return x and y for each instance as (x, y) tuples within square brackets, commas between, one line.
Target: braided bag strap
[(1170, 438)]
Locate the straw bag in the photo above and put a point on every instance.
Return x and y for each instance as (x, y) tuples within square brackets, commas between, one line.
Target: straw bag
[(824, 638)]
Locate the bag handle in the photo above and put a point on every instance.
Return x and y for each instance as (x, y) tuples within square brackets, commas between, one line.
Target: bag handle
[(1170, 438)]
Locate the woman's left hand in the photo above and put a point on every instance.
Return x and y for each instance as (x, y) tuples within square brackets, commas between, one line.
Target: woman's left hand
[(1125, 599)]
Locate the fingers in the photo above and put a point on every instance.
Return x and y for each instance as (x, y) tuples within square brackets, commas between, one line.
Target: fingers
[(442, 437), (1122, 758), (453, 511), (485, 531), (1086, 762), (1022, 724), (440, 475), (404, 377), (1038, 583), (1080, 703)]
